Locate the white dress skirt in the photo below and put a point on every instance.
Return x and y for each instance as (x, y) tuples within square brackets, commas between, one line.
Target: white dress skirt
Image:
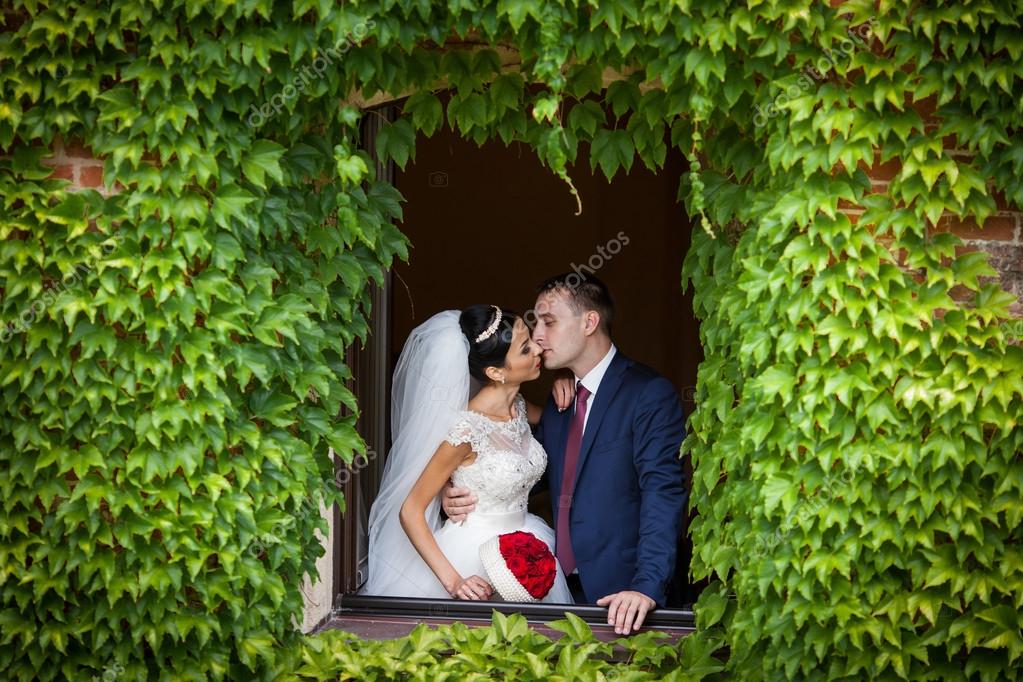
[(460, 543)]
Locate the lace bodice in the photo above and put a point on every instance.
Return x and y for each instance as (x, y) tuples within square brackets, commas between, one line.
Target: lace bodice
[(509, 461)]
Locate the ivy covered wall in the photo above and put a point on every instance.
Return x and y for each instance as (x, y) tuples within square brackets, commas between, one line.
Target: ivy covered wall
[(171, 368)]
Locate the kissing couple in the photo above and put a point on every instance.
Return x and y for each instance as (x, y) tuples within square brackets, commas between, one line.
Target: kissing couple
[(462, 441)]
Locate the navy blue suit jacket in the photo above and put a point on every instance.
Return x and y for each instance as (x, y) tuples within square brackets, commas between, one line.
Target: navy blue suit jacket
[(626, 509)]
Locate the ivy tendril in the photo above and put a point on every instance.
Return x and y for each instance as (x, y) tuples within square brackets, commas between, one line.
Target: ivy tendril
[(697, 200)]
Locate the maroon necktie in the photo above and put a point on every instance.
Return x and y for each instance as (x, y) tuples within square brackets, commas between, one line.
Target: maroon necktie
[(575, 440)]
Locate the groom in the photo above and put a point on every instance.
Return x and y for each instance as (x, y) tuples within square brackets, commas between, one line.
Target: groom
[(614, 470)]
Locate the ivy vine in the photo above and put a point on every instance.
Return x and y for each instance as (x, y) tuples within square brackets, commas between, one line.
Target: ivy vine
[(175, 400)]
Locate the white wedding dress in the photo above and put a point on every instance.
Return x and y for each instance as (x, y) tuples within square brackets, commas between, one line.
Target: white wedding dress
[(509, 461), (429, 395)]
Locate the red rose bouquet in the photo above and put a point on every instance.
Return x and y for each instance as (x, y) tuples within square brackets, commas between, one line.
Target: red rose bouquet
[(519, 565)]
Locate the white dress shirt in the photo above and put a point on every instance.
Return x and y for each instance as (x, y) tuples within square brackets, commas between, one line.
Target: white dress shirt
[(592, 381)]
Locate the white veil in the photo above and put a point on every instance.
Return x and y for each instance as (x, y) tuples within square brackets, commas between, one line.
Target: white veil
[(431, 384)]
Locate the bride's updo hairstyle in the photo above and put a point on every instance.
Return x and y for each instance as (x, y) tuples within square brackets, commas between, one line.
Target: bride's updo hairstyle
[(482, 321)]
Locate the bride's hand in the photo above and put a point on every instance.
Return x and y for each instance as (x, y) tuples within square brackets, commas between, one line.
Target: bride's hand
[(473, 588), (564, 392)]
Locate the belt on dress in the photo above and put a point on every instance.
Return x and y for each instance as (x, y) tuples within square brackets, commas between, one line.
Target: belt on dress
[(501, 522)]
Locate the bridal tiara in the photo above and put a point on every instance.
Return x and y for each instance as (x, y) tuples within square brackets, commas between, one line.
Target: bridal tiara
[(489, 331)]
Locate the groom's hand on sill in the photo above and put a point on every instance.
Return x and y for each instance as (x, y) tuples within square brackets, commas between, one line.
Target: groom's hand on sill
[(626, 610), (457, 502)]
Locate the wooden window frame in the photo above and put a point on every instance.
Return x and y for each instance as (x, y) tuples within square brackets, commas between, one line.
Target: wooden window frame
[(371, 384)]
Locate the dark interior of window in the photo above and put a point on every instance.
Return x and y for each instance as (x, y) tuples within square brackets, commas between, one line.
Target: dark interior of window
[(487, 224)]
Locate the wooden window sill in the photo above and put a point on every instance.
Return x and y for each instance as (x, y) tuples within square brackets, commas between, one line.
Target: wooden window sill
[(392, 617)]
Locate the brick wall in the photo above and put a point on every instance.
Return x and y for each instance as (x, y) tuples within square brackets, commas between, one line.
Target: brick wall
[(73, 162), (1001, 235)]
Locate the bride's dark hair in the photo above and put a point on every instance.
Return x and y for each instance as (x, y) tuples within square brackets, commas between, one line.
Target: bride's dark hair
[(491, 351)]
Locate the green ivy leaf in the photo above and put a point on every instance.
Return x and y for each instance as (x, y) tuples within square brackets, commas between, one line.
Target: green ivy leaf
[(426, 112), (263, 159), (229, 202), (396, 141), (611, 150), (575, 627)]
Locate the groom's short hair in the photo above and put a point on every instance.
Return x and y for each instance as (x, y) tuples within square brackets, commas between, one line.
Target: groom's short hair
[(584, 292)]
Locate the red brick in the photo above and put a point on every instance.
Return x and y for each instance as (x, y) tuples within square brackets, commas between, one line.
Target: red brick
[(74, 149), (882, 171), (91, 176), (960, 294), (63, 171), (924, 107), (950, 143), (996, 228), (1001, 203)]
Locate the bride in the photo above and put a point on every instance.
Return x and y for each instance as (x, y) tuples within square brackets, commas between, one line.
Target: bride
[(479, 439)]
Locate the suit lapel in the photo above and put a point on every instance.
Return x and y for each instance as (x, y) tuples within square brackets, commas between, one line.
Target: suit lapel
[(555, 437), (609, 386)]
